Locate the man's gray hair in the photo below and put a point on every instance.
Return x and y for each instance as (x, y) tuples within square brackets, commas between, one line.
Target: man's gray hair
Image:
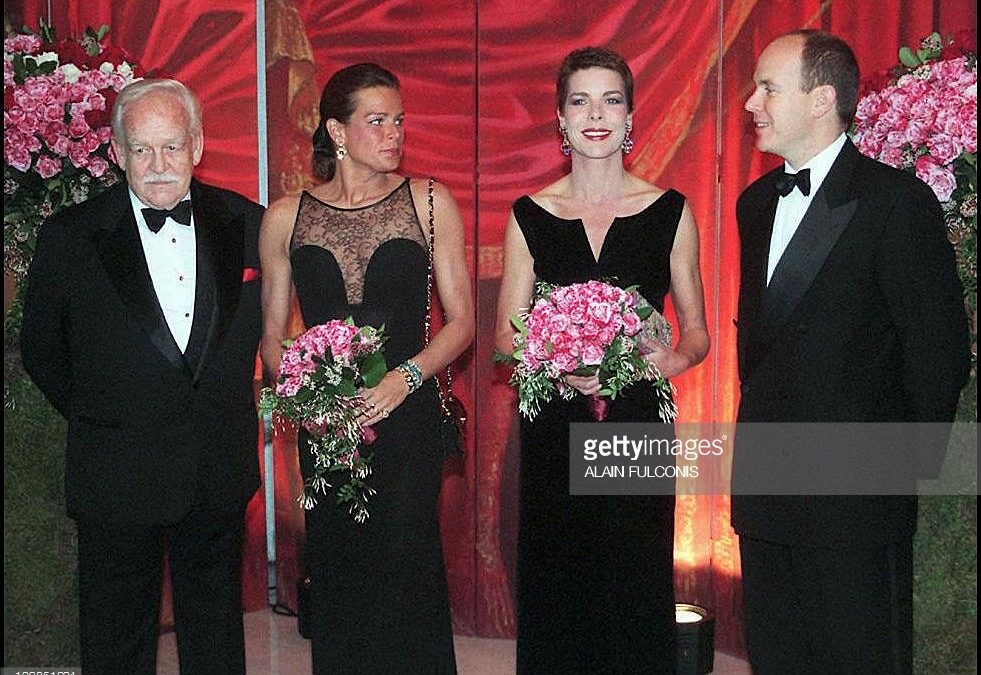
[(137, 90)]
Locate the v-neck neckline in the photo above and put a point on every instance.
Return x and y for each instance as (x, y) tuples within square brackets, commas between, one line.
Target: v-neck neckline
[(597, 257), (593, 255)]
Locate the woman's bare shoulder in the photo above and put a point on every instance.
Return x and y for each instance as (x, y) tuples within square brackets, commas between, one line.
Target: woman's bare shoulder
[(640, 192), (554, 195), (281, 214)]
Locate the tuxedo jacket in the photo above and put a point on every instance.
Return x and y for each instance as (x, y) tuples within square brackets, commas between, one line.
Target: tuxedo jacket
[(863, 321), (151, 431)]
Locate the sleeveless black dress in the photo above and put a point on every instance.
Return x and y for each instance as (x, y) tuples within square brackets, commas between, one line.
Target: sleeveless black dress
[(595, 573), (378, 589)]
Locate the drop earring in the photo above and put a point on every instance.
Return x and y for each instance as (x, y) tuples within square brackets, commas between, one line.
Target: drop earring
[(566, 146), (628, 143), (341, 151)]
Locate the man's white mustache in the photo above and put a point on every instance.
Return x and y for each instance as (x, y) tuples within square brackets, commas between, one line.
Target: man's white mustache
[(160, 178)]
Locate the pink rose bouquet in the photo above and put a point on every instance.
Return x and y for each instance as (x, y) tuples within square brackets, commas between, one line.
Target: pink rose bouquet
[(923, 117), (319, 377), (582, 329), (57, 99)]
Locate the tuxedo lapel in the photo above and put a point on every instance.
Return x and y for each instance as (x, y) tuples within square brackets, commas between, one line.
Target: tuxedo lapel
[(804, 257), (219, 242), (827, 217), (121, 252), (204, 305), (755, 229), (756, 244)]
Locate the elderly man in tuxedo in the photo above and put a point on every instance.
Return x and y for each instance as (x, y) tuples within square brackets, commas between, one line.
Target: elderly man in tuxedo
[(850, 311), (141, 324)]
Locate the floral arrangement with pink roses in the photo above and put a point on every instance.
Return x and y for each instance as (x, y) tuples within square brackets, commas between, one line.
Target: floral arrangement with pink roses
[(581, 329), (57, 100), (922, 116), (319, 378)]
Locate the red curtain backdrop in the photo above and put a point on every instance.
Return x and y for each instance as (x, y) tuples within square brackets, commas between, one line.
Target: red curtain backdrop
[(478, 83)]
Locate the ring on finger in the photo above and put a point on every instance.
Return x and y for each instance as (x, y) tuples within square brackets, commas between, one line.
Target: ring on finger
[(384, 412)]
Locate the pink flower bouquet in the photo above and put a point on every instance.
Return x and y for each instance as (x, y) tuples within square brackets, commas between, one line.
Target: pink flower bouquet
[(922, 117), (57, 99), (924, 121), (319, 377), (582, 329)]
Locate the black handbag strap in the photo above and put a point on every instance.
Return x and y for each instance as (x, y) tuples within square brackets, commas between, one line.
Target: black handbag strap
[(429, 302)]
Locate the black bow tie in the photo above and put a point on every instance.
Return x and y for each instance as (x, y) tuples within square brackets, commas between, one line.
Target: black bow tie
[(155, 217), (786, 182)]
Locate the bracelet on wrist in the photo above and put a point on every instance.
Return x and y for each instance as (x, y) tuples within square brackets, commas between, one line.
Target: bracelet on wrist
[(405, 376), (410, 381), (412, 373)]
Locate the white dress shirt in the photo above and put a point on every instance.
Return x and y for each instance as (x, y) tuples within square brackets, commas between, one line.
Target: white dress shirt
[(791, 209), (172, 259)]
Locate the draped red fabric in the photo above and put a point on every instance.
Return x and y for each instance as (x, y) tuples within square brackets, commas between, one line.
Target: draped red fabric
[(478, 89)]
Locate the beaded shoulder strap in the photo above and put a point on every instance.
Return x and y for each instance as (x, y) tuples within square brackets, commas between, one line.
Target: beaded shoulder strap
[(429, 300)]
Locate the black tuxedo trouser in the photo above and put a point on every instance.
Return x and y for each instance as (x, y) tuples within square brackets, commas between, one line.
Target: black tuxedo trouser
[(120, 572), (828, 611)]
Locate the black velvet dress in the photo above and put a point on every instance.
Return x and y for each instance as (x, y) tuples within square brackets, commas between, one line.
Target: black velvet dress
[(378, 590), (595, 573)]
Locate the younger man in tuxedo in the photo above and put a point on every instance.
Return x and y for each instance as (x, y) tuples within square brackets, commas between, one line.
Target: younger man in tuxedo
[(850, 311), (141, 324)]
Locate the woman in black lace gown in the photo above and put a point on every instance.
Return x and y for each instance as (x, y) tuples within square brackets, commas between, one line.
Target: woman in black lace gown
[(595, 573), (356, 245)]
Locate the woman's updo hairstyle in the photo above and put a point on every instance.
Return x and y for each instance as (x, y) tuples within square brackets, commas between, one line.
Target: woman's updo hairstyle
[(338, 102)]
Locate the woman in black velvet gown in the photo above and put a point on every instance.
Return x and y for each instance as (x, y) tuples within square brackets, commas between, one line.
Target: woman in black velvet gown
[(356, 245), (595, 573)]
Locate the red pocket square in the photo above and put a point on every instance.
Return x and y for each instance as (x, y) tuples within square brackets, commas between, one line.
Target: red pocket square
[(251, 274)]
